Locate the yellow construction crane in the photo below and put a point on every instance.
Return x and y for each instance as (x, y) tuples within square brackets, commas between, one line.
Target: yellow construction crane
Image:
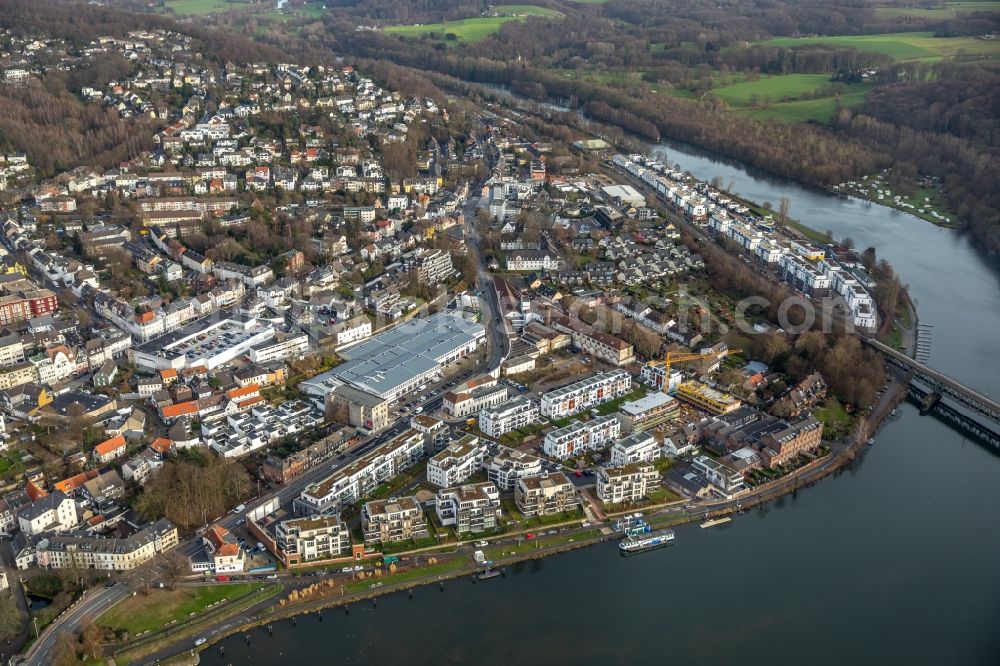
[(681, 357)]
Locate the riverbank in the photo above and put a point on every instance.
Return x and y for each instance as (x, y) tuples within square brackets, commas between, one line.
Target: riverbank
[(924, 202), (667, 515)]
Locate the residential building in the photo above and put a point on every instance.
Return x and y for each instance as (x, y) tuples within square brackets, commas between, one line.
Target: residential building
[(581, 436), (472, 402), (508, 465), (52, 513), (110, 449), (351, 483), (585, 394), (435, 431), (312, 538), (456, 462), (351, 331), (801, 436), (707, 398), (726, 479), (639, 446), (648, 412), (142, 466), (626, 484), (470, 508), (508, 416), (392, 520), (433, 266), (108, 554), (224, 555), (545, 494), (534, 260)]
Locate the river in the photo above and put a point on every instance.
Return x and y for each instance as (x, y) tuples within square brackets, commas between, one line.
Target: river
[(893, 560)]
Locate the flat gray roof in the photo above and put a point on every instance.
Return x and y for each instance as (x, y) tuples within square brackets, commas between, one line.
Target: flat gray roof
[(412, 349)]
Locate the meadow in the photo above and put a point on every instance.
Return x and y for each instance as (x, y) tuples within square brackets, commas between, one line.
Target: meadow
[(475, 29), (949, 11), (903, 46)]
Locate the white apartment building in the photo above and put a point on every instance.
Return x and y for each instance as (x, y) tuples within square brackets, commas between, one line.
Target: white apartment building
[(356, 480), (581, 436), (471, 508), (352, 330), (472, 402), (626, 484), (53, 513), (545, 495), (509, 465), (516, 413), (655, 373), (456, 462), (723, 477), (392, 520), (62, 552), (291, 345), (637, 447), (312, 538), (585, 394)]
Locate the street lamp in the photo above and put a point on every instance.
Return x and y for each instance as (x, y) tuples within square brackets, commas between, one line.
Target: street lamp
[(34, 621)]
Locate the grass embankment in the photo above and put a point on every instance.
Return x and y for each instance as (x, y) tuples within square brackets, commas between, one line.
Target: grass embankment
[(530, 545), (409, 576), (161, 608), (904, 46)]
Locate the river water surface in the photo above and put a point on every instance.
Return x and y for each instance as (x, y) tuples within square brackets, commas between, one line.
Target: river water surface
[(893, 560)]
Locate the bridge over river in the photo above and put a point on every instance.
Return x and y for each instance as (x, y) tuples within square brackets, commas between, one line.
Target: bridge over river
[(939, 384)]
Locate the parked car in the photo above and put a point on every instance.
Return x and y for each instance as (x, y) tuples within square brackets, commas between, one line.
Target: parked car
[(346, 570), (529, 535), (200, 641), (482, 544)]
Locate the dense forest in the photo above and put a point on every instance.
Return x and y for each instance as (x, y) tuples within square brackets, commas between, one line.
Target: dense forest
[(58, 131)]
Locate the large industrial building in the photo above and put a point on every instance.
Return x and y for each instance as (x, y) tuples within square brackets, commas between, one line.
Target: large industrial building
[(394, 363)]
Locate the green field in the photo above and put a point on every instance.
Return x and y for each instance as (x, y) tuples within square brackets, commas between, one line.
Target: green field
[(778, 97), (202, 7), (471, 30), (903, 45), (527, 10), (774, 88), (947, 11), (806, 110), (474, 29), (162, 607)]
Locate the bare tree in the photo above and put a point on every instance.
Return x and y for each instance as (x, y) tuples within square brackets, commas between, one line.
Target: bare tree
[(174, 566), (784, 206)]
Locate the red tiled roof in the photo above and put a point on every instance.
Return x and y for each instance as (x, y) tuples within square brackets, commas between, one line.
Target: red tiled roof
[(110, 445)]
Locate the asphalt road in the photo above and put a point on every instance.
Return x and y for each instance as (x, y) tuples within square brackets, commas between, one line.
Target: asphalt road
[(92, 604)]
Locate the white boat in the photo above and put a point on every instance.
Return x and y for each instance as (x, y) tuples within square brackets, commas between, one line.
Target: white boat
[(640, 544)]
